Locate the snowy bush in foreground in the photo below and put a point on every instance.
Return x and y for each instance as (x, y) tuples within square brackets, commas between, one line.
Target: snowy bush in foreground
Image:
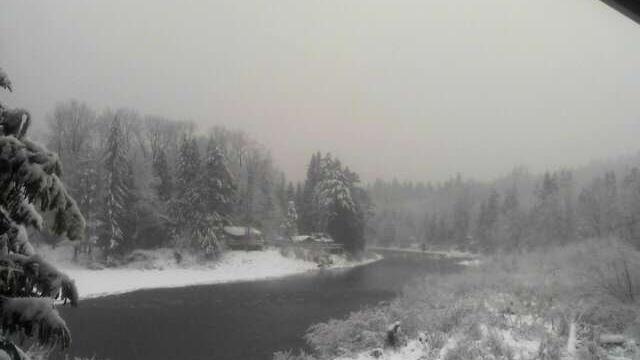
[(31, 195), (361, 330)]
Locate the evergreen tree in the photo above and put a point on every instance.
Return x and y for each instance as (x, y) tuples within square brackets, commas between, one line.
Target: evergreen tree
[(281, 194), (547, 212), (291, 222), (291, 194), (164, 185), (630, 208), (299, 205), (265, 199), (568, 223), (487, 223), (118, 192), (30, 185), (218, 186), (290, 225), (187, 205), (308, 207), (513, 225), (188, 164), (131, 220), (88, 190), (342, 205), (461, 220), (218, 192), (610, 208), (598, 207)]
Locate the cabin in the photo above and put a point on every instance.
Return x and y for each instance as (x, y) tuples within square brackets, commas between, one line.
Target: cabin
[(243, 238)]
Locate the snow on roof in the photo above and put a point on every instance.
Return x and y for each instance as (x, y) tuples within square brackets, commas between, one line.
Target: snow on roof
[(240, 230), (322, 238), (300, 238)]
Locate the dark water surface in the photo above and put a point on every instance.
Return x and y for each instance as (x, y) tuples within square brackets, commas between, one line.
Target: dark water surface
[(239, 321)]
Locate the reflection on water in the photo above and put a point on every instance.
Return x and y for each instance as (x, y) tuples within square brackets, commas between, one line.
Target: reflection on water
[(245, 321)]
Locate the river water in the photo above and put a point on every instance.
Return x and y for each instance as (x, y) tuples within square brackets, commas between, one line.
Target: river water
[(239, 321)]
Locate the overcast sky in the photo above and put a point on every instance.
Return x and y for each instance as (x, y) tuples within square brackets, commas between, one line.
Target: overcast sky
[(409, 89)]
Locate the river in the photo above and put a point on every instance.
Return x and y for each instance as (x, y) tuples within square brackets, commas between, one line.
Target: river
[(237, 321)]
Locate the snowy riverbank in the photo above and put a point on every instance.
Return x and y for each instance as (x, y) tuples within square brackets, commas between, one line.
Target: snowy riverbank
[(163, 272), (564, 303)]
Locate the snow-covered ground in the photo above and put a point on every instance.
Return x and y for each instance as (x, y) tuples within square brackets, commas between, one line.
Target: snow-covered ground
[(517, 336), (163, 272), (490, 342)]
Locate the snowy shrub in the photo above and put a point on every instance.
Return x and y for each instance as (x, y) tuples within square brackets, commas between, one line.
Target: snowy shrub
[(614, 268), (550, 348), (610, 317), (474, 332), (591, 351), (290, 355), (465, 350), (496, 346), (633, 332), (436, 340), (488, 346), (361, 330)]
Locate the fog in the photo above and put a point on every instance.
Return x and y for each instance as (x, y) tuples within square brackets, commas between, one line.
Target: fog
[(406, 89)]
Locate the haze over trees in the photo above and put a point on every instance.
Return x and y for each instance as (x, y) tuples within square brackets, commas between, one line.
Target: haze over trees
[(164, 184), (176, 186), (147, 182), (517, 212)]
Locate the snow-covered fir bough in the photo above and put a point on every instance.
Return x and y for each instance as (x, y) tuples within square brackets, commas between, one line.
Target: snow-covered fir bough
[(31, 196)]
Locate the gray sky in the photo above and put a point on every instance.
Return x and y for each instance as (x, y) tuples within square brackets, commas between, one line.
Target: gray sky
[(413, 89)]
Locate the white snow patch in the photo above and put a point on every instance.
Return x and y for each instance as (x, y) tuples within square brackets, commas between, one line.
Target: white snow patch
[(474, 262), (233, 266)]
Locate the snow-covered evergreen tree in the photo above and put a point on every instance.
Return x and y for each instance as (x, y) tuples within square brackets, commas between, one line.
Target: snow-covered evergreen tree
[(342, 205), (291, 222), (269, 215), (218, 186), (217, 192), (187, 204), (31, 191), (308, 211), (118, 192), (204, 197), (88, 196)]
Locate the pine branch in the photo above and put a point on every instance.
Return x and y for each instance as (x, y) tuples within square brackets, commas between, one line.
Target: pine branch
[(36, 318), (12, 350), (5, 83), (29, 172), (23, 275)]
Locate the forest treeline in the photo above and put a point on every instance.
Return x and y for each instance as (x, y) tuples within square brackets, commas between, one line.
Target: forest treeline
[(148, 181), (517, 212)]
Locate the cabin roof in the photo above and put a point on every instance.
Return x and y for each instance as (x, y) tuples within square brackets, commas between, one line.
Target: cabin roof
[(241, 231), (319, 238)]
